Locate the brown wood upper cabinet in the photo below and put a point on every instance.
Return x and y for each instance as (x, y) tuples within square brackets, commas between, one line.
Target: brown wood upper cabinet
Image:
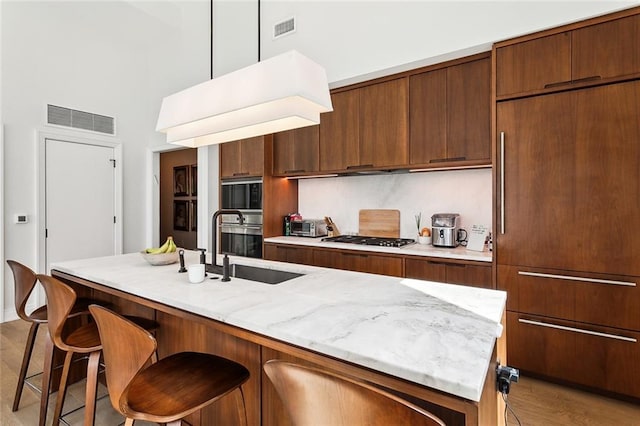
[(242, 158), (368, 128), (603, 51), (296, 152), (450, 115)]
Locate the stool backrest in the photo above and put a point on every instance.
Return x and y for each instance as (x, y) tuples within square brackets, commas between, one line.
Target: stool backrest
[(60, 301), (24, 280), (126, 348), (313, 397)]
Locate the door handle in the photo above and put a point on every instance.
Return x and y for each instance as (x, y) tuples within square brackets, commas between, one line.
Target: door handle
[(502, 182), (577, 330)]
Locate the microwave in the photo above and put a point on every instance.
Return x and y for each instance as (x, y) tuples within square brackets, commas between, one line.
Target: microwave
[(308, 228), (242, 195)]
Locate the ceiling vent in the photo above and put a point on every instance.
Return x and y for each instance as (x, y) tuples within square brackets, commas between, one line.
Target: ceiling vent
[(61, 116), (285, 27)]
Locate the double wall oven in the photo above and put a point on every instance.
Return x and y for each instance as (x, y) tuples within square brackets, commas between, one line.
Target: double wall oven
[(242, 239)]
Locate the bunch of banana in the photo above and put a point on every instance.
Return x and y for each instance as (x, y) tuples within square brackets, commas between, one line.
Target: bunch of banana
[(168, 247)]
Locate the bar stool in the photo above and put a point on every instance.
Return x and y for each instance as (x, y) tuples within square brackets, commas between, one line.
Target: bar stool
[(24, 283), (168, 390), (316, 397), (83, 340)]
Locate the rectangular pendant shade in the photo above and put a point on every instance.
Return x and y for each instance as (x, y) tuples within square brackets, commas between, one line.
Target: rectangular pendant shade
[(281, 93)]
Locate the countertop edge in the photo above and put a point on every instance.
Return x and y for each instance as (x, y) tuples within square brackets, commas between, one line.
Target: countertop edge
[(458, 253)]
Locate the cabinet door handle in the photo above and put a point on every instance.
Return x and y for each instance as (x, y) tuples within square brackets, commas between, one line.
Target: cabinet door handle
[(502, 182), (241, 174), (579, 80), (295, 171), (443, 160), (574, 278), (559, 83), (361, 166), (577, 330)]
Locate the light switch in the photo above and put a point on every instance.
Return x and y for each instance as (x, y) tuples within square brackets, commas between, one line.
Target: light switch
[(21, 218)]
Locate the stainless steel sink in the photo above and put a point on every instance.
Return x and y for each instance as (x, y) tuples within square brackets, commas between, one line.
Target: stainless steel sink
[(254, 273)]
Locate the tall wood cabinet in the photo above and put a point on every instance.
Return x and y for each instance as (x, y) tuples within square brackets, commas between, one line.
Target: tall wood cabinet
[(568, 192), (576, 152)]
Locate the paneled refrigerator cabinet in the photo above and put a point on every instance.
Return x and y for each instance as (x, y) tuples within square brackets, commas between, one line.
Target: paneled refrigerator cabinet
[(568, 174)]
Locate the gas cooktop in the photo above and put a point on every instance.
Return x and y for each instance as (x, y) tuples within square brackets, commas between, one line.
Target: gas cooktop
[(370, 241)]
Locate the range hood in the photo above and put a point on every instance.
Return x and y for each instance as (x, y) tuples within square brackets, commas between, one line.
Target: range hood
[(281, 93)]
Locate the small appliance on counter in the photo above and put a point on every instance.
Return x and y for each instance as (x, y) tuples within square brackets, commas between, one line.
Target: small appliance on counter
[(445, 229), (308, 228)]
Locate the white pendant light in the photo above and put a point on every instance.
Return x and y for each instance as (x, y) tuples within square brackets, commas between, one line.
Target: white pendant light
[(284, 92)]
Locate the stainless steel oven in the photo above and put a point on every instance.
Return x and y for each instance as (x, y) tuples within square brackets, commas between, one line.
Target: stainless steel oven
[(242, 239), (242, 195)]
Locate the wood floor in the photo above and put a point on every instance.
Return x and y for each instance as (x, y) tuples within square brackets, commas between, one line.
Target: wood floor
[(536, 403)]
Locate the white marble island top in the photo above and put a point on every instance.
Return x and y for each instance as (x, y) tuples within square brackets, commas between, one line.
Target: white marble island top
[(438, 335)]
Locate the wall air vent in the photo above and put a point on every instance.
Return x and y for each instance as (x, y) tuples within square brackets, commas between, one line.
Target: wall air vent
[(68, 117), (285, 27)]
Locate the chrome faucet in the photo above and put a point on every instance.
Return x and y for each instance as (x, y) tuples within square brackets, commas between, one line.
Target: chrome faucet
[(214, 232)]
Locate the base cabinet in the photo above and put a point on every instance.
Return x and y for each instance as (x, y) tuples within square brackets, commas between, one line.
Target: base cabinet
[(449, 272), (476, 274), (598, 357), (358, 261), (281, 253)]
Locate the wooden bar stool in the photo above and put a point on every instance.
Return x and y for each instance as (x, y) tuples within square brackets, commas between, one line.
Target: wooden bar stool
[(83, 340), (168, 390), (24, 283), (316, 397)]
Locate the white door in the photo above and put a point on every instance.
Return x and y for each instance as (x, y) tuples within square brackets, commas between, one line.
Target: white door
[(80, 201)]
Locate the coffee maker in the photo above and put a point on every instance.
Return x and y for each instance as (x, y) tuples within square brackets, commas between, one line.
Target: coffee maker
[(444, 229)]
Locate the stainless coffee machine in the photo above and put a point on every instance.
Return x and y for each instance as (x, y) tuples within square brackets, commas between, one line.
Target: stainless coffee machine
[(444, 229)]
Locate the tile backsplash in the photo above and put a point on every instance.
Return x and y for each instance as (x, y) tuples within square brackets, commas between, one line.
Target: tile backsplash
[(467, 192)]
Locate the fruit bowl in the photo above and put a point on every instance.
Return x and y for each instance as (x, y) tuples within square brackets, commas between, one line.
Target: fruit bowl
[(160, 258)]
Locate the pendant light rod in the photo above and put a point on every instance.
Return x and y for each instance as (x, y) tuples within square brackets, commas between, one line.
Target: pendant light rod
[(259, 28), (211, 40)]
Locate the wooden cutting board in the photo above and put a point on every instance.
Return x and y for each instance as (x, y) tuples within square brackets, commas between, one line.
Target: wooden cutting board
[(379, 223)]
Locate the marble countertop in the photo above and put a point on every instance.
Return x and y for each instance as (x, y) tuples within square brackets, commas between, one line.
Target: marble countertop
[(427, 250), (438, 335)]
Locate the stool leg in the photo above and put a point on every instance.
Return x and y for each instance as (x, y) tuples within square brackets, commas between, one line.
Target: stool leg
[(62, 390), (92, 389), (240, 404), (128, 422), (28, 349), (46, 379)]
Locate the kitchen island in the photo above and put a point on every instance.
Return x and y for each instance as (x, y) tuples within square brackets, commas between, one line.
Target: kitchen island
[(435, 344)]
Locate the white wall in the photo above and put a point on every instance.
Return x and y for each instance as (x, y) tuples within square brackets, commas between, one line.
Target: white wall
[(115, 58), (358, 40)]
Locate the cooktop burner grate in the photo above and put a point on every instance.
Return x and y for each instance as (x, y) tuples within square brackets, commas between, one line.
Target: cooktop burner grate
[(370, 241)]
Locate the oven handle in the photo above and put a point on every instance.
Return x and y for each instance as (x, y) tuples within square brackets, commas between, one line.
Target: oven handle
[(241, 229)]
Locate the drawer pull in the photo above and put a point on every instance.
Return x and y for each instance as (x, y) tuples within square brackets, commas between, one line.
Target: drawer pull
[(444, 160), (578, 330), (572, 278)]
